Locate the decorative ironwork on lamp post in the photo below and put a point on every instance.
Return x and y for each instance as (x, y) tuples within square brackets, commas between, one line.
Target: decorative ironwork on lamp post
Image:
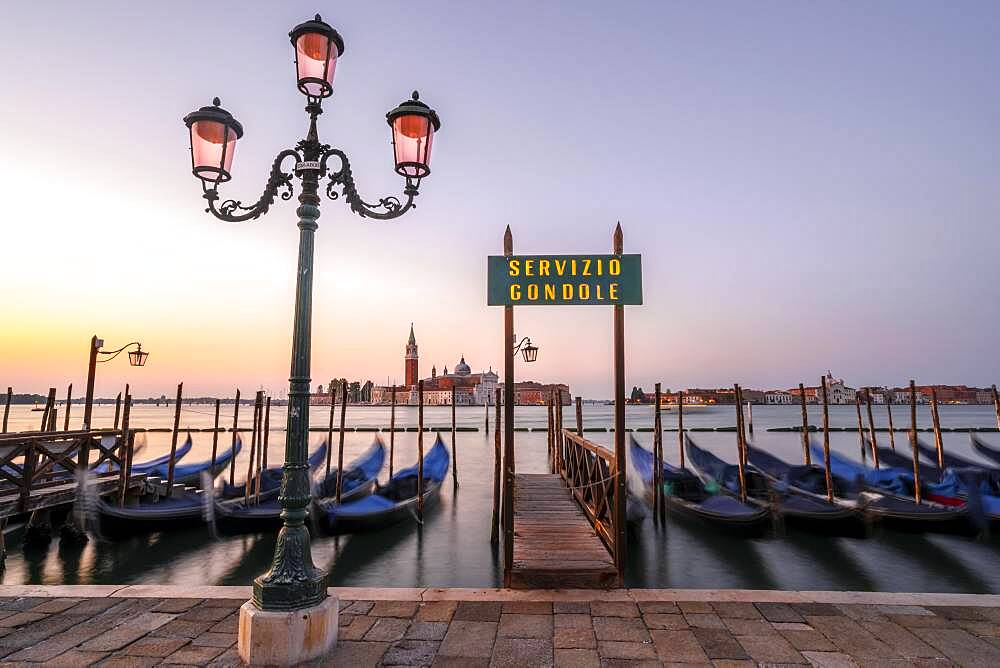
[(293, 581)]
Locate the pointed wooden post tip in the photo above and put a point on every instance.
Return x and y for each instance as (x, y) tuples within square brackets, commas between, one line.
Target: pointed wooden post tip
[(618, 238), (508, 241)]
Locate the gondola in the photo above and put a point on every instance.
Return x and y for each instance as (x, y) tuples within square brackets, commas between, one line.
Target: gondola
[(887, 496), (235, 515), (158, 465), (805, 512), (391, 503), (686, 496), (191, 474), (186, 506), (987, 451), (271, 479)]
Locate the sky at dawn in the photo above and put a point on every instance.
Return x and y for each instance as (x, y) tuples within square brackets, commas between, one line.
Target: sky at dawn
[(812, 186)]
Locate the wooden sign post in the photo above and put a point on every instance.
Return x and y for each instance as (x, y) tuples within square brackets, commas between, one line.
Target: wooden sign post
[(555, 280)]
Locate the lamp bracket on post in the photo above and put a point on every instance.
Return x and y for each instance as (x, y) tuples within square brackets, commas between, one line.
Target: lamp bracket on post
[(114, 353), (278, 180), (344, 179)]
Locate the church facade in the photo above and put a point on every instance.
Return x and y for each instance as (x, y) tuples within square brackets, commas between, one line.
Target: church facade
[(470, 389)]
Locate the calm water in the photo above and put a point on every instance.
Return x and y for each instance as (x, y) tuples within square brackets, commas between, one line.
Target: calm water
[(453, 548)]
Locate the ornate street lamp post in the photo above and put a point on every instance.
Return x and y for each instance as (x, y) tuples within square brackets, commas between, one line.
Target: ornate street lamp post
[(293, 582)]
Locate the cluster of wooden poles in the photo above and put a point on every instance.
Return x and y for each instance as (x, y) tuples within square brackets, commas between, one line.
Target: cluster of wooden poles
[(659, 506)]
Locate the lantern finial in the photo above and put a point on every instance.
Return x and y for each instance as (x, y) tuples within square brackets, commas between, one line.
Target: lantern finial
[(416, 95), (216, 102)]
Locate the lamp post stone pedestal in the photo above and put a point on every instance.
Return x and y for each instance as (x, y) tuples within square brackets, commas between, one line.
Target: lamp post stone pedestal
[(283, 638)]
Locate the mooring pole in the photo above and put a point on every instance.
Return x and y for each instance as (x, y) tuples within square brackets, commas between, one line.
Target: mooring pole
[(69, 403), (915, 452), (420, 450), (620, 481), (495, 524), (551, 431), (118, 408), (805, 426), (861, 429), (559, 430), (996, 404), (50, 403), (486, 406), (248, 485), (508, 426), (888, 410), (173, 442), (332, 391), (749, 415), (826, 441), (127, 449), (454, 454), (680, 426), (267, 431), (871, 425), (740, 460), (6, 407), (936, 422), (236, 424), (657, 455), (340, 444), (392, 427)]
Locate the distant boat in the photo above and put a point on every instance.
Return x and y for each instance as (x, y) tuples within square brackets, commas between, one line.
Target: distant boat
[(392, 503), (685, 495), (36, 408)]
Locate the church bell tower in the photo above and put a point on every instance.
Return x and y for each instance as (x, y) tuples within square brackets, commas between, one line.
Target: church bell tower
[(412, 371)]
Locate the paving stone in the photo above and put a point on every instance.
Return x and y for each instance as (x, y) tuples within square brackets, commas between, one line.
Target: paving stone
[(577, 658), (959, 612), (525, 626), (405, 609), (230, 624), (205, 613), (527, 607), (357, 607), (571, 607), (388, 629), (830, 660), (357, 629), (128, 632), (719, 644), (614, 609), (32, 634), (122, 661), (850, 637), (154, 646), (411, 653), (695, 607), (573, 638), (469, 639), (858, 611), (962, 647), (478, 611), (807, 609), (749, 627), (700, 620), (678, 647), (223, 640), (903, 610), (182, 629), (810, 640), (978, 628), (899, 639), (21, 604), (630, 663), (791, 626), (427, 630), (233, 604), (459, 662), (922, 621), (614, 649), (770, 649), (44, 648), (53, 605), (22, 618), (573, 620), (191, 655), (75, 658), (736, 610), (658, 608), (665, 621), (522, 652), (95, 606), (779, 612), (436, 611), (356, 653), (623, 629), (342, 620), (177, 605), (228, 659)]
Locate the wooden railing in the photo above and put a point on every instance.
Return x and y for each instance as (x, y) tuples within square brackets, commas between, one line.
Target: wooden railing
[(590, 472), (38, 469)]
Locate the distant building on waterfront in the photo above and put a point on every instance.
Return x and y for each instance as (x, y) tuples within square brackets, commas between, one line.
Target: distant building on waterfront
[(779, 398), (531, 393), (837, 392), (471, 389)]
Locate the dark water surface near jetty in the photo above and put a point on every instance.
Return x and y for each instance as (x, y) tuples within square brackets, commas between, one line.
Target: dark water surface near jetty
[(453, 547)]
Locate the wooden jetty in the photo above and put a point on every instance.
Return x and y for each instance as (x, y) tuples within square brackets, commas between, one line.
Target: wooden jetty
[(555, 545)]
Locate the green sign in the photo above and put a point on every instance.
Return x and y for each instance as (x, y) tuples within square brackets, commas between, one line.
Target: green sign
[(547, 280)]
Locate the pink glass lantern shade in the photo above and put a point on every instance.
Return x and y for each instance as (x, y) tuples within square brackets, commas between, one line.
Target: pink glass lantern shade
[(413, 126), (317, 47), (138, 357), (214, 132)]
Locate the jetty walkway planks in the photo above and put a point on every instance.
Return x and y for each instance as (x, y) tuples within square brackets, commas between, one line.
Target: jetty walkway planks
[(555, 545)]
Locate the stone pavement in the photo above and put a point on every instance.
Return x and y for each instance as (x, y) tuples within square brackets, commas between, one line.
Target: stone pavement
[(133, 626)]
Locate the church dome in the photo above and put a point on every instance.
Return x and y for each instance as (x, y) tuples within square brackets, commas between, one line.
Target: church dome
[(462, 369)]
